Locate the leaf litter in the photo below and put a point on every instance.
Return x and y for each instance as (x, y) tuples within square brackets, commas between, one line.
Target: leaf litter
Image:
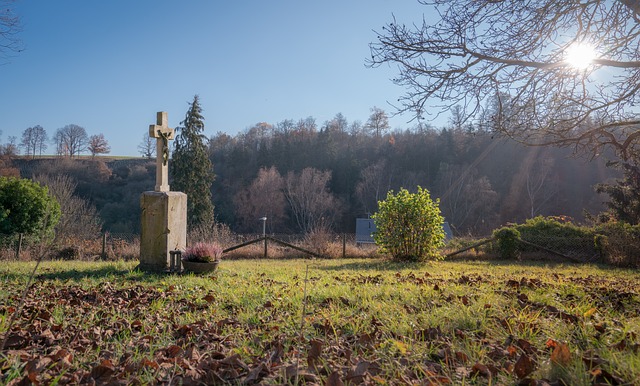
[(109, 334)]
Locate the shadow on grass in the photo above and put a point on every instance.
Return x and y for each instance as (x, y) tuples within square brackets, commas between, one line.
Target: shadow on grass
[(112, 272), (374, 265), (391, 265)]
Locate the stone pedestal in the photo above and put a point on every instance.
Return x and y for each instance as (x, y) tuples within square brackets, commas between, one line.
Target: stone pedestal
[(164, 228)]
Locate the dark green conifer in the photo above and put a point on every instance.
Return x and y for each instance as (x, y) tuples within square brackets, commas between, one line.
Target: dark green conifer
[(191, 170)]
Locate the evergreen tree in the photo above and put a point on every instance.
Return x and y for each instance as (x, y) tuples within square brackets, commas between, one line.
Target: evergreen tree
[(192, 171), (624, 195)]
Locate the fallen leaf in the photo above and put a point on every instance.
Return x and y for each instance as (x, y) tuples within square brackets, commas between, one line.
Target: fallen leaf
[(148, 363), (357, 373), (593, 361), (524, 366), (526, 346), (103, 371), (15, 341), (429, 334), (461, 357), (173, 351), (480, 369), (35, 367), (313, 356), (192, 353), (365, 339), (334, 379), (235, 361), (209, 298), (256, 374), (401, 347), (513, 283), (561, 355), (602, 376), (590, 312)]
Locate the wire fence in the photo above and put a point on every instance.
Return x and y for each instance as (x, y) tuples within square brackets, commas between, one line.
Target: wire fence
[(336, 245), (112, 245), (574, 248)]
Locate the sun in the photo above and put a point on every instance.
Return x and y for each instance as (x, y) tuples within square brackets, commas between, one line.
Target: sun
[(580, 55)]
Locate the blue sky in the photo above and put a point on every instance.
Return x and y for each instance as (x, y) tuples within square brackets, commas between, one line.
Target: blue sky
[(109, 66)]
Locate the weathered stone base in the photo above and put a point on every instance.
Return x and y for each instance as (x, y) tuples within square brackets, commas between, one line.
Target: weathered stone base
[(164, 228)]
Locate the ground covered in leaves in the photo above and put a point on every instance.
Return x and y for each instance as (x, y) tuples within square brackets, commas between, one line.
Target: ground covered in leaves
[(330, 322)]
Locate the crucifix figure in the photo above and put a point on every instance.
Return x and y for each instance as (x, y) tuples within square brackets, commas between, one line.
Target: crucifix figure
[(163, 134)]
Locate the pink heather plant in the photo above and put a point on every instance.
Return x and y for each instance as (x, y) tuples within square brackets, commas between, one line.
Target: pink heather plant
[(203, 252)]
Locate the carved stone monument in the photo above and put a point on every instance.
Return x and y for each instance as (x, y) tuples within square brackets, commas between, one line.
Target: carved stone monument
[(164, 213)]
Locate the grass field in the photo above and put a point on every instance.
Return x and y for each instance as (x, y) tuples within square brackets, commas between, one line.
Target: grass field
[(328, 322)]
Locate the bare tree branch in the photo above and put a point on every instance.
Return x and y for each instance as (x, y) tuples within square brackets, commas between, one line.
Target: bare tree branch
[(506, 61), (9, 29)]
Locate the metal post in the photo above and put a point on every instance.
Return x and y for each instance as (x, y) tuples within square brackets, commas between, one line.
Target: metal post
[(264, 234)]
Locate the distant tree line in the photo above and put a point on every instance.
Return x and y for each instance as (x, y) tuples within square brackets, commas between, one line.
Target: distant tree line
[(69, 141), (304, 176)]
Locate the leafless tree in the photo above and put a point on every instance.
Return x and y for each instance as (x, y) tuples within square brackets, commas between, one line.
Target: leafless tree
[(337, 124), (58, 140), (541, 185), (375, 182), (27, 142), (264, 197), (71, 140), (355, 128), (311, 203), (147, 147), (79, 217), (9, 29), (515, 52), (10, 148), (469, 202), (98, 145), (34, 139), (378, 121), (41, 139)]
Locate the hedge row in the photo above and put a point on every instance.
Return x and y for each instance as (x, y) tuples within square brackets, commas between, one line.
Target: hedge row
[(614, 242)]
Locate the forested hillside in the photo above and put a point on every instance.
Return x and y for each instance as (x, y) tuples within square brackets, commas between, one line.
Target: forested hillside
[(302, 177), (483, 182)]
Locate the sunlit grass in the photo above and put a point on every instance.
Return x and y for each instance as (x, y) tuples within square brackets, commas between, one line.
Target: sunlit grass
[(406, 317)]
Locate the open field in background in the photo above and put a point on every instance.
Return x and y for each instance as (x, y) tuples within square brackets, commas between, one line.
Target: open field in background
[(362, 321)]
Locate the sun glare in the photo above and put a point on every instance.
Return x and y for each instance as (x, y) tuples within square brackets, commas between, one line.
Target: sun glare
[(580, 55)]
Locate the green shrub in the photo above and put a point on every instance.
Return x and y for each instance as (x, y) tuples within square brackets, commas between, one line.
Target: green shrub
[(409, 226), (613, 242), (618, 243), (26, 207), (557, 234), (551, 227), (508, 240)]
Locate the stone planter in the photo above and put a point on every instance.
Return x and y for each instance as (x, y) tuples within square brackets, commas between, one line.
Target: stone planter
[(197, 267)]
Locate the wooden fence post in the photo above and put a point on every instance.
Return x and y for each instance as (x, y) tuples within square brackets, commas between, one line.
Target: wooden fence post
[(104, 246), (265, 247), (344, 245), (19, 248)]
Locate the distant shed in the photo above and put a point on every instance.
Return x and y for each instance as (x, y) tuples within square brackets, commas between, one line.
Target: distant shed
[(364, 230)]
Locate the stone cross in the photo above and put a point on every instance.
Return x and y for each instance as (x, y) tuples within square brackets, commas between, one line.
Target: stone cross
[(163, 134)]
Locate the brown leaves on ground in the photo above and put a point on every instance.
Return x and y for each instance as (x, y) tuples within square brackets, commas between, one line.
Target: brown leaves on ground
[(116, 336)]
